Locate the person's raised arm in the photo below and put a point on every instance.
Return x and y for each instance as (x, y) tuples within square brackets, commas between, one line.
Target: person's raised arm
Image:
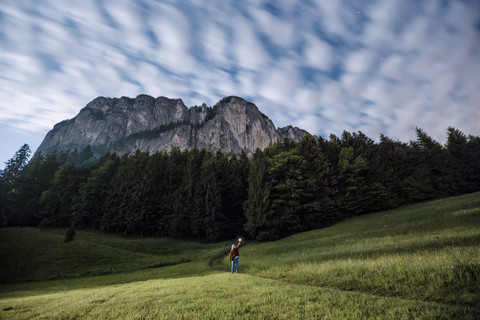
[(239, 242)]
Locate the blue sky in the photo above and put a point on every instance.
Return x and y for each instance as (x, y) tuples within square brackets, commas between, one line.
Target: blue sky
[(324, 66)]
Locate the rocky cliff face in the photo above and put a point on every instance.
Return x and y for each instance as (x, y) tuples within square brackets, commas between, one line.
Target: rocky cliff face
[(125, 124)]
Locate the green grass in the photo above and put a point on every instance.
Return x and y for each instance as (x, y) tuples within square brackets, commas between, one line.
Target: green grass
[(420, 261), (220, 296), (31, 255), (428, 251)]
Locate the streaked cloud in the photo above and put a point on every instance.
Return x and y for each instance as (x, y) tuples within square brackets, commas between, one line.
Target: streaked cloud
[(319, 54), (327, 66)]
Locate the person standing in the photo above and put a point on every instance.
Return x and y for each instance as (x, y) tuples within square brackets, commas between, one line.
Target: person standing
[(234, 254)]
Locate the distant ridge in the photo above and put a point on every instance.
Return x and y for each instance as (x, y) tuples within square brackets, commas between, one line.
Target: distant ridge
[(123, 125)]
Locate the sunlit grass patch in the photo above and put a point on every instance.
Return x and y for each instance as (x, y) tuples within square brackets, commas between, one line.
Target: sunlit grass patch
[(222, 296), (436, 276)]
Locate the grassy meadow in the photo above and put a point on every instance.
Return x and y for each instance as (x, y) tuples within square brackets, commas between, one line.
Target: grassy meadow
[(32, 255), (428, 251), (419, 261)]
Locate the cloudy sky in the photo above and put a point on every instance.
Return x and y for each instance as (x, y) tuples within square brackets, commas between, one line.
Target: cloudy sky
[(325, 66)]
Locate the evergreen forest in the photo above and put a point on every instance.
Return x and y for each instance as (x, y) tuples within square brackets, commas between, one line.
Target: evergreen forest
[(287, 188)]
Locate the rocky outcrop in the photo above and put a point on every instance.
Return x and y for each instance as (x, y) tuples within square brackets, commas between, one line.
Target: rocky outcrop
[(124, 125), (292, 133)]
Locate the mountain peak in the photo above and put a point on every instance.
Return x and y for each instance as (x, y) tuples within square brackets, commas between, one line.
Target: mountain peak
[(151, 124)]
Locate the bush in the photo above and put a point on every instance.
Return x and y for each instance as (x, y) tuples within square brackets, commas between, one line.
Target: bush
[(69, 234)]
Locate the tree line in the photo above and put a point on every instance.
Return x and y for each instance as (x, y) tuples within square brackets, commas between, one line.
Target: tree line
[(287, 188)]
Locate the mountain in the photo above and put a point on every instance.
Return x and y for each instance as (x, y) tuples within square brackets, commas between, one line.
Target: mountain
[(124, 124)]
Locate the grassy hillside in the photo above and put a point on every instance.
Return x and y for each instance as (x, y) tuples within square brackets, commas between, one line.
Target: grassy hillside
[(30, 254), (428, 251), (420, 261)]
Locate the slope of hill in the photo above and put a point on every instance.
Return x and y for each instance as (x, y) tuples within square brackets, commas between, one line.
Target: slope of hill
[(428, 251), (419, 261), (33, 255)]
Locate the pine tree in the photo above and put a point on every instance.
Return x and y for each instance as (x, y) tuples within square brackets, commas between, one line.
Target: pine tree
[(257, 207), (351, 182), (173, 208), (211, 188), (461, 162), (473, 154), (319, 209), (430, 177), (30, 184), (10, 186), (234, 193), (93, 194), (157, 171), (62, 196), (189, 195)]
